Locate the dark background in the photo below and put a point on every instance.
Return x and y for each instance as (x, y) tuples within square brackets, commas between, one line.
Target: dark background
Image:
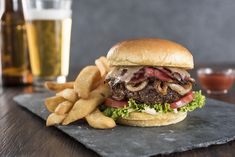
[(205, 27)]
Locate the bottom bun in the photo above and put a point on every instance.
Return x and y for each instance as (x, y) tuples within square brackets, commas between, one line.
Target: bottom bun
[(148, 120)]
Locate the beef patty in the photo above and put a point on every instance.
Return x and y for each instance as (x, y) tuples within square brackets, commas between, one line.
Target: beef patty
[(148, 95)]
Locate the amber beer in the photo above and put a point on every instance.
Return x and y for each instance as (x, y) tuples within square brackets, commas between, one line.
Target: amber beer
[(48, 25), (15, 68), (49, 43)]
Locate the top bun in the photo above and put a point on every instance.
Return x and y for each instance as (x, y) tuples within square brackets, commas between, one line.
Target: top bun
[(150, 52)]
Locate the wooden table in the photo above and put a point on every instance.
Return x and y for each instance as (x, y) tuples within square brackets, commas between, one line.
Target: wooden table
[(24, 134)]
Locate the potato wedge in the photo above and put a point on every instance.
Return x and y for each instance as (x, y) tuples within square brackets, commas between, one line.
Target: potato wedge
[(105, 62), (53, 86), (52, 102), (86, 81), (102, 65), (63, 107), (68, 94), (98, 120), (54, 118), (83, 107)]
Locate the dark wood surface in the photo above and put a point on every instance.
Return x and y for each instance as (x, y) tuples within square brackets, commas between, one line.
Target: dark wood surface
[(24, 134)]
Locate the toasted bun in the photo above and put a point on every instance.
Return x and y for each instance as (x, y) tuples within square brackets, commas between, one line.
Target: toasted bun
[(147, 120), (151, 52)]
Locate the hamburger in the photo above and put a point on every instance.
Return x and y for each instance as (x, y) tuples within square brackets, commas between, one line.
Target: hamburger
[(150, 83)]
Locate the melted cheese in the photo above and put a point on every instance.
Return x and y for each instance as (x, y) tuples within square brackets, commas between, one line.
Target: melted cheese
[(117, 71)]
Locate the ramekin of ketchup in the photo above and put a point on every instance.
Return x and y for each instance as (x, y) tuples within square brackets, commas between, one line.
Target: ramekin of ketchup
[(216, 81)]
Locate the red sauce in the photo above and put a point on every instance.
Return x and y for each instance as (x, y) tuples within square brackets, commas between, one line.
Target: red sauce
[(216, 81)]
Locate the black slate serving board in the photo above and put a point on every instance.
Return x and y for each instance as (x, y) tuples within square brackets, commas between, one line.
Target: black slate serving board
[(214, 124)]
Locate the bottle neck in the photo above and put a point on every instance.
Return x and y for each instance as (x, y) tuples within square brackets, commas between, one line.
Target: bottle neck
[(13, 5)]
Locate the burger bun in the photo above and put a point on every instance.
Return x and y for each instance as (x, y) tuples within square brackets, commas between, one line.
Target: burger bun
[(147, 120), (150, 52)]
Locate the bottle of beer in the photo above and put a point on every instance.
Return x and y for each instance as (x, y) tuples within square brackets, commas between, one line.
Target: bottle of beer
[(15, 67)]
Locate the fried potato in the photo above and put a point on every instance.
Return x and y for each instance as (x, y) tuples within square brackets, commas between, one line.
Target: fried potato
[(53, 86), (83, 107), (98, 120), (102, 65), (86, 81), (52, 102), (54, 118), (105, 61), (68, 94), (63, 107)]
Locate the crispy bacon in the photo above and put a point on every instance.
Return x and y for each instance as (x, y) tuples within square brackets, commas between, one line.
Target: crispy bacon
[(177, 74), (152, 72)]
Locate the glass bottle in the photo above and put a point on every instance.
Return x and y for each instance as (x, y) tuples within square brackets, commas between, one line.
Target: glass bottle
[(15, 67)]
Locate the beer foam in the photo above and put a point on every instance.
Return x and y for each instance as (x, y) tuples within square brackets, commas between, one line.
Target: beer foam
[(49, 14)]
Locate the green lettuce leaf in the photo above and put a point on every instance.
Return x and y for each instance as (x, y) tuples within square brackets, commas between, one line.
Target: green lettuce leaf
[(198, 102), (115, 113)]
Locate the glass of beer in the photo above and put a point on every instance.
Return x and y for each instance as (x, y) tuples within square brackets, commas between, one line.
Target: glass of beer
[(48, 25)]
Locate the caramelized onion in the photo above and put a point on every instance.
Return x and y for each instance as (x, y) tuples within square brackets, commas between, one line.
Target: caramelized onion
[(182, 90), (139, 87), (161, 88), (190, 79), (183, 73)]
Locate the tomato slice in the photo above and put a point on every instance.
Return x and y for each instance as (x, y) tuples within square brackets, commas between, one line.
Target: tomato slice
[(183, 101), (151, 72), (114, 103)]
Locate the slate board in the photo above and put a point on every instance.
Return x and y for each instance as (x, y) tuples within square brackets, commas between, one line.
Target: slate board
[(214, 124)]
